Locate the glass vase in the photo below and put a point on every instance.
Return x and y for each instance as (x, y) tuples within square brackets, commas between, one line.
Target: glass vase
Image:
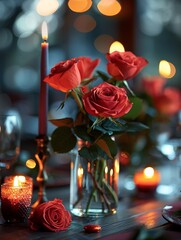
[(93, 186)]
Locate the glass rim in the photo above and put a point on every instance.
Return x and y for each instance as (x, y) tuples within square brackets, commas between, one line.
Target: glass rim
[(8, 184)]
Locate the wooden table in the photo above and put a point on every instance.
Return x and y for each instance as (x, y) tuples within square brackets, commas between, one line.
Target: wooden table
[(132, 214)]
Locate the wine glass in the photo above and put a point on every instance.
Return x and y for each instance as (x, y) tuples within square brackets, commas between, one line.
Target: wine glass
[(9, 140)]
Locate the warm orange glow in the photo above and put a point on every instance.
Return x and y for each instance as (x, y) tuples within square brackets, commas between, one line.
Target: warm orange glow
[(47, 7), (80, 177), (80, 171), (147, 179), (88, 167), (44, 31), (79, 5), (30, 163), (103, 42), (85, 23), (166, 69), (109, 7), (116, 165), (111, 172), (111, 176), (116, 46), (149, 219)]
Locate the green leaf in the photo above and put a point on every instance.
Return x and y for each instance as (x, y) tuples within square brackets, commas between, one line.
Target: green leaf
[(81, 132), (63, 140), (132, 127), (108, 146), (135, 110), (90, 153), (62, 122), (102, 75)]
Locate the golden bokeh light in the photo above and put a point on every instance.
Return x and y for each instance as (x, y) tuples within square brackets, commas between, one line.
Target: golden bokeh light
[(102, 43), (116, 46), (84, 23), (30, 163), (109, 7), (166, 69), (47, 7), (79, 6)]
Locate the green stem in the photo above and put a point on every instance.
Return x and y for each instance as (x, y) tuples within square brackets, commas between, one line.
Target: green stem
[(93, 193), (128, 88), (98, 181), (111, 80), (111, 190), (78, 101)]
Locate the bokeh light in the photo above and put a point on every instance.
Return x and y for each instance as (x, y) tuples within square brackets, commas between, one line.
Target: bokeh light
[(30, 163), (167, 69), (6, 9), (47, 7), (109, 7), (103, 42), (20, 78), (28, 44), (79, 5), (6, 38), (84, 23), (26, 23)]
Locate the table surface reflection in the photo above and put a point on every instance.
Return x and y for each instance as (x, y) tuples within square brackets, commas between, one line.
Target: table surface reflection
[(132, 214)]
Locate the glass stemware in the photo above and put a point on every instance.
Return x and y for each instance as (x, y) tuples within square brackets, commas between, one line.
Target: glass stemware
[(9, 140)]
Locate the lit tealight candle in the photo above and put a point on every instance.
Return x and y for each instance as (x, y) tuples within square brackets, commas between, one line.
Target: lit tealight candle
[(20, 179), (16, 201), (147, 179)]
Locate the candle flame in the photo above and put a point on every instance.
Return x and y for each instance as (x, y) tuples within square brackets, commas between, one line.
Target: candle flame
[(106, 169), (80, 171), (44, 31), (111, 172), (149, 172), (22, 179), (16, 182), (116, 46), (116, 165)]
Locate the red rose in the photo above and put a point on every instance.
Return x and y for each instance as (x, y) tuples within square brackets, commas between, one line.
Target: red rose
[(106, 100), (87, 66), (69, 74), (169, 102), (124, 65), (50, 215), (153, 85)]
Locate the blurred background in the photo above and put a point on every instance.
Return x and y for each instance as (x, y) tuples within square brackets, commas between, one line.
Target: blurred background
[(149, 28)]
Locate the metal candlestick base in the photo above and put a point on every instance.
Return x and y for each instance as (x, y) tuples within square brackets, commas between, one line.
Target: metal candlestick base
[(41, 157)]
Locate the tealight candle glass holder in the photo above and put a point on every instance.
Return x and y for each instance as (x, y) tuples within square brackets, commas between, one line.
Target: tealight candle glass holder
[(16, 202)]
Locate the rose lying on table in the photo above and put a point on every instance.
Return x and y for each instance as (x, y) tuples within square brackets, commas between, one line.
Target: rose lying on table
[(51, 216)]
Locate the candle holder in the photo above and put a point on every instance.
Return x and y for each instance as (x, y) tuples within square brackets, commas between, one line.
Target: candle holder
[(42, 177), (16, 202)]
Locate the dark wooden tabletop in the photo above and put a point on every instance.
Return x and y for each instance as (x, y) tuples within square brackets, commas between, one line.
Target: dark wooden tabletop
[(134, 215)]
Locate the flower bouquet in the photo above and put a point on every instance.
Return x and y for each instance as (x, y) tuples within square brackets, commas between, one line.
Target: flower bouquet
[(104, 106), (162, 104)]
